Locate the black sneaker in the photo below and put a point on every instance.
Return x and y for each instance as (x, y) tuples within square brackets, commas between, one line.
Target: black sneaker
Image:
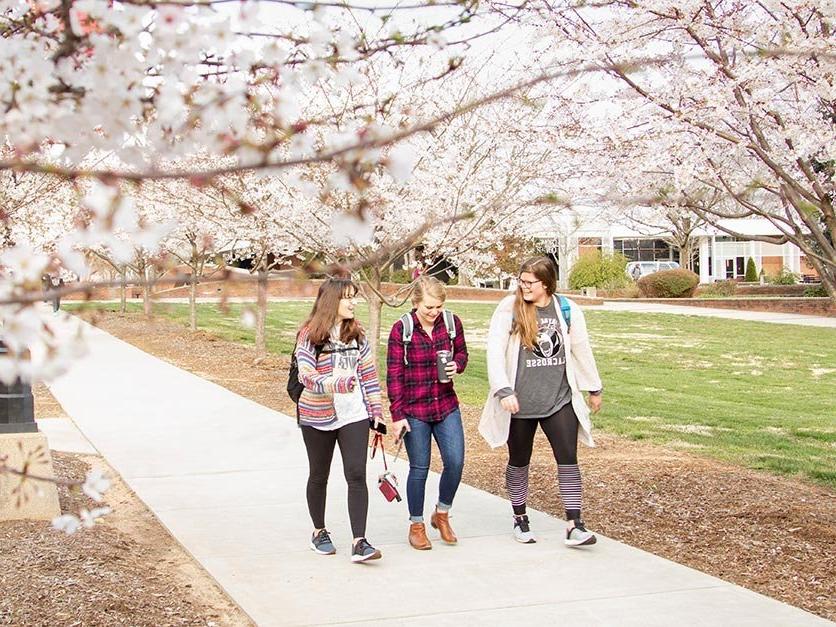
[(579, 536), (522, 532), (321, 543), (363, 552)]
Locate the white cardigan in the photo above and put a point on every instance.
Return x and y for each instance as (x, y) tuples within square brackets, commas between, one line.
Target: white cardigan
[(503, 355)]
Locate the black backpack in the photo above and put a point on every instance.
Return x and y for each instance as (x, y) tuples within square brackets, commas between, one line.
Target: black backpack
[(294, 386)]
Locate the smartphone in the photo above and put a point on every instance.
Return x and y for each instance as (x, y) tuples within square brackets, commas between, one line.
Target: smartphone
[(380, 428)]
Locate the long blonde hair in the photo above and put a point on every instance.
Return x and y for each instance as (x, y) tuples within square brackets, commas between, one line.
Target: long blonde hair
[(428, 286), (525, 314)]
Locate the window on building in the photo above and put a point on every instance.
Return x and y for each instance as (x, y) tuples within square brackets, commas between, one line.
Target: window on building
[(641, 249)]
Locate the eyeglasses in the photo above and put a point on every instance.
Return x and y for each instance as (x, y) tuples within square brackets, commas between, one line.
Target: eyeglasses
[(528, 284)]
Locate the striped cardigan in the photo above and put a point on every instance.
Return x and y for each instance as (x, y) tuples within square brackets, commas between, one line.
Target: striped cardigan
[(316, 405)]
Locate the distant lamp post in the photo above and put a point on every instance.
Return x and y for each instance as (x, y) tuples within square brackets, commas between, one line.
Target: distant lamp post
[(17, 407)]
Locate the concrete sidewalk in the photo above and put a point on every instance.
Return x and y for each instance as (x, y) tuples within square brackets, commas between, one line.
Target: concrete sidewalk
[(227, 477), (733, 314)]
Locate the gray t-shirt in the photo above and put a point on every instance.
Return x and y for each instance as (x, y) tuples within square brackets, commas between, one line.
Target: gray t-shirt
[(541, 385)]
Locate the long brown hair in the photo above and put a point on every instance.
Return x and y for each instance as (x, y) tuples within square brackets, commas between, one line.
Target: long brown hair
[(525, 315), (324, 313)]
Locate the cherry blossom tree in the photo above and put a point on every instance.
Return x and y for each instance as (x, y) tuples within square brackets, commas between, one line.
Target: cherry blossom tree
[(742, 106)]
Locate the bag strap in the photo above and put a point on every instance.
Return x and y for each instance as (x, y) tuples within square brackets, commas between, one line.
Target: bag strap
[(378, 442), (450, 324), (565, 310), (408, 327)]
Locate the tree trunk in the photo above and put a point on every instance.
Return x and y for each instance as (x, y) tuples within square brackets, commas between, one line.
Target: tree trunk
[(686, 257), (146, 292), (123, 288), (193, 301), (261, 315), (464, 276), (375, 310), (827, 275)]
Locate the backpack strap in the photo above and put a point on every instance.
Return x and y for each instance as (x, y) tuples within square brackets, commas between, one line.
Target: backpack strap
[(565, 311), (450, 324), (408, 327)]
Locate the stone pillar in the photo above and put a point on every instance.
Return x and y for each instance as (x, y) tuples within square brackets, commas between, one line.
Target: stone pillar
[(22, 446), (27, 499)]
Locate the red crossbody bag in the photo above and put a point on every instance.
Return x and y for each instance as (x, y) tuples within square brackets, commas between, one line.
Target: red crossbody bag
[(387, 483)]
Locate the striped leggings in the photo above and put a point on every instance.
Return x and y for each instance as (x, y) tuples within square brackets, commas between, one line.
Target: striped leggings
[(561, 429)]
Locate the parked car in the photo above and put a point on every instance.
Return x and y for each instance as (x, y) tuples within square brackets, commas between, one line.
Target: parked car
[(638, 269)]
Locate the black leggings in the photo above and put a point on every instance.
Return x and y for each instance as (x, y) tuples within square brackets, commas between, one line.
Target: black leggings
[(560, 428), (354, 446)]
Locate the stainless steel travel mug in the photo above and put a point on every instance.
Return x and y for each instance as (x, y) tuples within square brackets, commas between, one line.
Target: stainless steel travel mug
[(442, 358)]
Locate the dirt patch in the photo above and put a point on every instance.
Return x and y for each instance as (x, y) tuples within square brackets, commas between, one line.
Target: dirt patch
[(774, 535), (126, 571), (45, 404)]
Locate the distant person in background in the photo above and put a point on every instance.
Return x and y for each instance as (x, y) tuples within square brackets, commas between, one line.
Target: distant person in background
[(57, 283), (418, 270)]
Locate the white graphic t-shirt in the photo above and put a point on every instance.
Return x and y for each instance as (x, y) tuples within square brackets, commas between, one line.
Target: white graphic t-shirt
[(349, 407)]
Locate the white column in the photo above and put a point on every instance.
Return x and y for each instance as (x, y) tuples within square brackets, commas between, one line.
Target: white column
[(719, 270), (705, 253), (607, 243)]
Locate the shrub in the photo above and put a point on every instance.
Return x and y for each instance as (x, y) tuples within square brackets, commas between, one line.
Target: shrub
[(401, 276), (598, 270), (718, 288), (751, 272), (784, 277), (816, 291), (678, 283)]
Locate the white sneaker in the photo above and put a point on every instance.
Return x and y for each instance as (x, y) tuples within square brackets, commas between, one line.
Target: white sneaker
[(522, 532), (579, 536)]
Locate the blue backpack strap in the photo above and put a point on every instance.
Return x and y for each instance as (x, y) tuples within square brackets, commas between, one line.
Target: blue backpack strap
[(565, 311), (407, 328)]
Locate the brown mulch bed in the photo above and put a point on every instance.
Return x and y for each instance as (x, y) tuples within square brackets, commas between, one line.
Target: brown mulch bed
[(126, 571), (771, 534)]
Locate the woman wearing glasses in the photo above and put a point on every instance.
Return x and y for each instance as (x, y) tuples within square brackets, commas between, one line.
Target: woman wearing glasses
[(341, 395), (539, 363)]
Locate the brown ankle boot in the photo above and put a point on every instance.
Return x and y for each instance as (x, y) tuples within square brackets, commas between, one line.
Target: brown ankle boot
[(418, 537), (441, 521)]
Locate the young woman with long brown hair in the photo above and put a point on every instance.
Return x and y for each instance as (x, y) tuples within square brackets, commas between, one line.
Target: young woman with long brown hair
[(539, 363), (341, 395)]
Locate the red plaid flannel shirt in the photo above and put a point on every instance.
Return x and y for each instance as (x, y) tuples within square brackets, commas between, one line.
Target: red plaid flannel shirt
[(413, 388)]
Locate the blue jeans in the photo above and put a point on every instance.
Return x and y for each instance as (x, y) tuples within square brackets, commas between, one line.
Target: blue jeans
[(449, 436)]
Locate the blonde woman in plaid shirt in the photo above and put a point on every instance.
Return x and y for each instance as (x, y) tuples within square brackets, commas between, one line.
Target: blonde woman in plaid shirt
[(424, 408)]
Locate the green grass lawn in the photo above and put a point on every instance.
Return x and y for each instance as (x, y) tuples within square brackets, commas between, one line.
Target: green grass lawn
[(757, 394)]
